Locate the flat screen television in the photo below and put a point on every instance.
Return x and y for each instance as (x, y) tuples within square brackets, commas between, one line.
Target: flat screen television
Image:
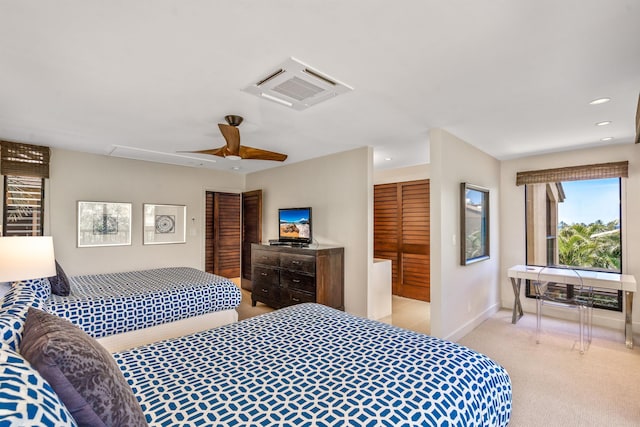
[(295, 225)]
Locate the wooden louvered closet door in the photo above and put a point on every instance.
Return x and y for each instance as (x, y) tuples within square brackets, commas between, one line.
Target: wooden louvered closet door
[(222, 248), (401, 234), (251, 232)]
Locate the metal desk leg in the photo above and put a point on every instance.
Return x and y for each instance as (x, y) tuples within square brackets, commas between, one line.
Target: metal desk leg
[(628, 329), (517, 306)]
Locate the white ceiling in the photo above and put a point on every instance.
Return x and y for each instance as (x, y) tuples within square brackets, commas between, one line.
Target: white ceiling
[(148, 78)]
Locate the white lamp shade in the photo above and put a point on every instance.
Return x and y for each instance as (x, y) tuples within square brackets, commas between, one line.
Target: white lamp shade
[(23, 258)]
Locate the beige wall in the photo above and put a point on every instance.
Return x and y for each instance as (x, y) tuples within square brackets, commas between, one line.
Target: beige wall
[(339, 190), (77, 176), (410, 173), (461, 296), (338, 187), (512, 216)]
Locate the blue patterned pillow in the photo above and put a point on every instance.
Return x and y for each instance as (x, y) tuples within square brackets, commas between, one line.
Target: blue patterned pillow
[(26, 398), (13, 313), (60, 282), (40, 287)]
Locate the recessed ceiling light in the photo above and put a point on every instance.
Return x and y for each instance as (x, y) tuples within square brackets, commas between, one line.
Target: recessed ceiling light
[(236, 168), (607, 138), (606, 122), (600, 101), (388, 158)]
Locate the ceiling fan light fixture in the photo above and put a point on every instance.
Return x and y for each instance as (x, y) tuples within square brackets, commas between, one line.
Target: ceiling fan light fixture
[(233, 120), (232, 157)]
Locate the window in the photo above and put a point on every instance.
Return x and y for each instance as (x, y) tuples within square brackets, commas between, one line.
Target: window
[(24, 167), (573, 219), (23, 212), (576, 224)]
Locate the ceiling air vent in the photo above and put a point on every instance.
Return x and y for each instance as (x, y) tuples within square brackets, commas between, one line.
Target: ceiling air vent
[(297, 85)]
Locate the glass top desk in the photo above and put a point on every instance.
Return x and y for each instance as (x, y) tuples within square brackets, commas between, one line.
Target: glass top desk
[(596, 279)]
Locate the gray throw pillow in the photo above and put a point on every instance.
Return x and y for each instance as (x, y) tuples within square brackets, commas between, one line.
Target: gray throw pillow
[(82, 372), (60, 282)]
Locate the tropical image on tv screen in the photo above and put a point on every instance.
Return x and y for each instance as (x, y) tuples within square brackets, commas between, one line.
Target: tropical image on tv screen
[(294, 223)]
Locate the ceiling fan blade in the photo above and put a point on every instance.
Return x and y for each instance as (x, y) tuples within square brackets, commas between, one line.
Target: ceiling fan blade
[(232, 136), (258, 154), (233, 149), (214, 151)]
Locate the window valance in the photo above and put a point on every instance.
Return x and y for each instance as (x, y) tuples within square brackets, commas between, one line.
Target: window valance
[(24, 160), (574, 173)]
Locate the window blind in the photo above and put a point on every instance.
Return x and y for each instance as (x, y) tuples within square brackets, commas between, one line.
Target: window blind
[(18, 159), (23, 206), (574, 173)]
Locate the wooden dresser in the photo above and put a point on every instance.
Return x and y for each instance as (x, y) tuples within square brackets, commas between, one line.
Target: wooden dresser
[(284, 275)]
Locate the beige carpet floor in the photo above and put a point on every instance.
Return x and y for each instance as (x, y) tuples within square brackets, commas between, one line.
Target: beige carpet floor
[(553, 384)]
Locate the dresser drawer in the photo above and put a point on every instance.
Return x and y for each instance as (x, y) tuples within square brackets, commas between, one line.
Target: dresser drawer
[(265, 258), (297, 281), (271, 293), (265, 276), (266, 285), (298, 297), (304, 263)]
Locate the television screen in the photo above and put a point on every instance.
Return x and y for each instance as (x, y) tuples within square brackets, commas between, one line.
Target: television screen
[(295, 225)]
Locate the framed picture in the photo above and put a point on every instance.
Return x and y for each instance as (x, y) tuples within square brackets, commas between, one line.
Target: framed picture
[(104, 224), (164, 224), (474, 223)]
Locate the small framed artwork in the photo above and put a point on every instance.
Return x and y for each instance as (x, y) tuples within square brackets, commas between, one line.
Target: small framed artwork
[(104, 224), (164, 224), (474, 223)]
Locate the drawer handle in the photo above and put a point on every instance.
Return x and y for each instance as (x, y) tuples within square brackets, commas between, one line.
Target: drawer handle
[(295, 299), (295, 262), (264, 290), (263, 274), (296, 280)]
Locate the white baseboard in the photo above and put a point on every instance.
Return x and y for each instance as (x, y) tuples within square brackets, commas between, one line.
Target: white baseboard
[(473, 323)]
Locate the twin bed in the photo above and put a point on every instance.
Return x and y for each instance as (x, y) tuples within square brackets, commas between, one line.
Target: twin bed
[(124, 310), (306, 364)]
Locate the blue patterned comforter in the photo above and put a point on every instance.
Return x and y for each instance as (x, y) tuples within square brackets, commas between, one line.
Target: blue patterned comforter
[(107, 304), (310, 365)]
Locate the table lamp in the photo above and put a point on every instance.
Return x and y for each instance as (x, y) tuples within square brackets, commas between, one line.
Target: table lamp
[(23, 258)]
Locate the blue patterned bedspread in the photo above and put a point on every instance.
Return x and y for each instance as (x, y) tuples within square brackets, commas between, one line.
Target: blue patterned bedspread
[(107, 304), (310, 365)]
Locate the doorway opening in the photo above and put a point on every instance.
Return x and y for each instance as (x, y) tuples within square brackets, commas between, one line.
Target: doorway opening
[(401, 233)]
